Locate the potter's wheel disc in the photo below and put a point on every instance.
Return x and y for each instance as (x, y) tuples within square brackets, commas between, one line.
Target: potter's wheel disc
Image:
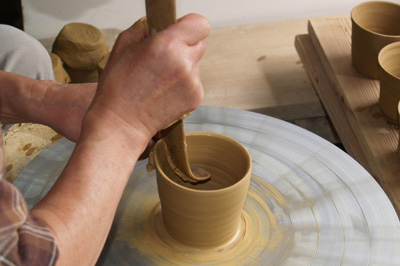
[(309, 203)]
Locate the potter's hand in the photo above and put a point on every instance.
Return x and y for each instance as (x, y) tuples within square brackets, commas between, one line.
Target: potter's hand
[(151, 81)]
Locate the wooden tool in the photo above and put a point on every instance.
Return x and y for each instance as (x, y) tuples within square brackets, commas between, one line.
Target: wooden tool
[(161, 14)]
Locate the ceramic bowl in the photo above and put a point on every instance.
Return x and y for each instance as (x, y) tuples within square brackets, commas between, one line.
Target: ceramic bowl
[(389, 78), (206, 214), (374, 25)]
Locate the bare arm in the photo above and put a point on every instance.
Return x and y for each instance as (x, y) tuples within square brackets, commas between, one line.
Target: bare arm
[(60, 106), (148, 83), (80, 207)]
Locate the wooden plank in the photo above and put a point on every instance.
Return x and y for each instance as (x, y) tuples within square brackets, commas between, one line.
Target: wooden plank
[(250, 67), (294, 111), (334, 106), (357, 97), (255, 66)]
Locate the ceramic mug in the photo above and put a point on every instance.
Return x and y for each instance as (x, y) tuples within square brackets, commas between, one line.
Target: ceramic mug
[(389, 80), (374, 25), (208, 214), (398, 148)]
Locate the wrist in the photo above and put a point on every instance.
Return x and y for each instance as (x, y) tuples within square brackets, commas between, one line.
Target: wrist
[(109, 130)]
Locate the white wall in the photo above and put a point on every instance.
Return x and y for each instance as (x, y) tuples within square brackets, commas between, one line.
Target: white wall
[(45, 18)]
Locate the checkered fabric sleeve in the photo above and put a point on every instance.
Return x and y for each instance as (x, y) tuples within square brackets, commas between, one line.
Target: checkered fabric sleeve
[(24, 240)]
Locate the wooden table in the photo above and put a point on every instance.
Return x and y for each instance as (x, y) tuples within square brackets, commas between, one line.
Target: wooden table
[(252, 67), (351, 100)]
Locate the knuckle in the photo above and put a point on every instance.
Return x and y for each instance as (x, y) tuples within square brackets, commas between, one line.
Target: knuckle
[(160, 43)]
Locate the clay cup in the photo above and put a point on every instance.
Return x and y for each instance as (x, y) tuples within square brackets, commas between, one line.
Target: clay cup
[(375, 24), (398, 147), (209, 214), (389, 78)]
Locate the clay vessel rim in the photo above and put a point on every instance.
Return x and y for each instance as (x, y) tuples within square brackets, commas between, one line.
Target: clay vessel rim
[(398, 108), (367, 30), (213, 191), (380, 55)]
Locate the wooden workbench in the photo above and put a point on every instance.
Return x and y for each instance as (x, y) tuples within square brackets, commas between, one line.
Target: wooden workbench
[(351, 100), (252, 67)]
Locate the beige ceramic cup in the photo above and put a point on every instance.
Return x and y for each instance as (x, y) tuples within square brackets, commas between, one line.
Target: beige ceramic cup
[(374, 25), (389, 77), (398, 148), (205, 215)]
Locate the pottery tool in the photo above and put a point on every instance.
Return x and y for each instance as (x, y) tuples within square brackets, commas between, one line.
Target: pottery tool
[(161, 14), (309, 203)]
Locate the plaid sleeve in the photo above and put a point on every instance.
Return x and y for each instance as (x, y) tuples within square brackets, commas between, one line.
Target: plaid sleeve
[(24, 240)]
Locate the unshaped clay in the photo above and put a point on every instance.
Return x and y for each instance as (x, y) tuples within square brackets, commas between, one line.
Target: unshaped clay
[(82, 76), (80, 46), (60, 74)]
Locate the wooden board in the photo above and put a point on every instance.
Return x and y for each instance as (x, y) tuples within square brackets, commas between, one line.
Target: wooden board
[(251, 67), (255, 66), (351, 101)]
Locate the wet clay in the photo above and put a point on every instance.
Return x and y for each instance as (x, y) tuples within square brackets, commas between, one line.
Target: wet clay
[(398, 112), (262, 238), (82, 76), (80, 46), (176, 154), (389, 80), (374, 25), (60, 74), (160, 14), (204, 214), (103, 62)]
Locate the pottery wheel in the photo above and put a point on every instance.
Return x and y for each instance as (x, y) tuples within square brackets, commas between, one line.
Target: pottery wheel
[(309, 203)]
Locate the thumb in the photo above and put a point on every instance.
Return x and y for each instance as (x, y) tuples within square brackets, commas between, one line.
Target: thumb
[(139, 30)]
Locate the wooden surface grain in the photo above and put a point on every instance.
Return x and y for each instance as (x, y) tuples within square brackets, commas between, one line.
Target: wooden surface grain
[(351, 101)]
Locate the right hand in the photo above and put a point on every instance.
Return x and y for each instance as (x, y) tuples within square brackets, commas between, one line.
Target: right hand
[(151, 81)]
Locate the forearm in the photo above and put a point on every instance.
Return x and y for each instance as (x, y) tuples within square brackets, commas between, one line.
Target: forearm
[(16, 96), (60, 106), (81, 206)]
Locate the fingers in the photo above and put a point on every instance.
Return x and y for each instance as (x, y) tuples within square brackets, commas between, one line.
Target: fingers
[(200, 49), (192, 28), (157, 77)]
